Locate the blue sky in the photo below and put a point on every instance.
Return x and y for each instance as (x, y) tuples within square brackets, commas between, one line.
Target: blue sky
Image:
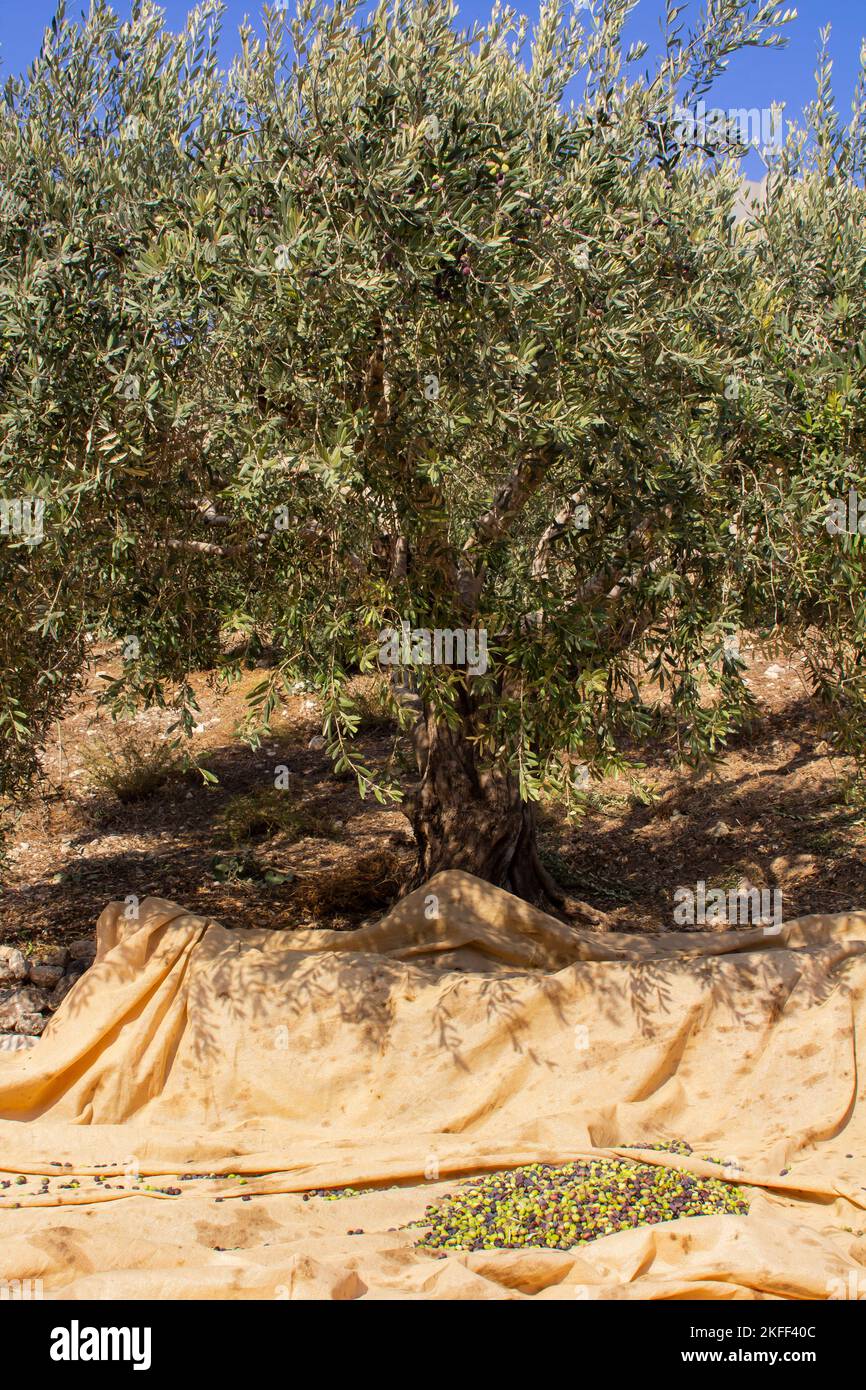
[(755, 79)]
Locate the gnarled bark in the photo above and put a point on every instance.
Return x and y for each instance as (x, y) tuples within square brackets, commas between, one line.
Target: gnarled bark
[(469, 816)]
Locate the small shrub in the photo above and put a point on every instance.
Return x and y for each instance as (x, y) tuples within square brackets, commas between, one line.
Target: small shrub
[(230, 868), (263, 814), (374, 706), (131, 764)]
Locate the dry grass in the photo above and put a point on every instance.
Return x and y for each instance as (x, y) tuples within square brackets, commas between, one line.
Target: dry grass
[(130, 764), (367, 883), (261, 815)]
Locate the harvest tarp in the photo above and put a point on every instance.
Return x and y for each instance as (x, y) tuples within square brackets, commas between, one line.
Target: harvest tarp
[(464, 1032)]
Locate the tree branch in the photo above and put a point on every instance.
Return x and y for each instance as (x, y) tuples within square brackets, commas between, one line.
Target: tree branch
[(508, 501), (222, 552), (560, 524)]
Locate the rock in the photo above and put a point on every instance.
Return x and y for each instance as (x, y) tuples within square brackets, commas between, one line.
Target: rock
[(35, 998), (62, 988), (52, 955), (317, 742), (773, 673), (16, 1042), (719, 830), (13, 965), (32, 1024), (18, 1004), (83, 949), (46, 975)]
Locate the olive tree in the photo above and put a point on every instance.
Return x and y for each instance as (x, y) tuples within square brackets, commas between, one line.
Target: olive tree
[(413, 348), (95, 418), (803, 516)]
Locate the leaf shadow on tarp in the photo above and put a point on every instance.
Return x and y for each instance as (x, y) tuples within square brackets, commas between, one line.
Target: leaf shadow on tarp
[(240, 982), (244, 987)]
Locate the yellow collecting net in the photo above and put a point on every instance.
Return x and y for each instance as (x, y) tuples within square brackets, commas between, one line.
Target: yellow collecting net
[(464, 1033)]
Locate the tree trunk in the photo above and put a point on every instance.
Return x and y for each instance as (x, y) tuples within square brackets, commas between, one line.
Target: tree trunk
[(466, 816)]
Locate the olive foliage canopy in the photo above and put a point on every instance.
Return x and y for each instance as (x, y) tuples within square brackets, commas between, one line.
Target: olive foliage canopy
[(395, 323)]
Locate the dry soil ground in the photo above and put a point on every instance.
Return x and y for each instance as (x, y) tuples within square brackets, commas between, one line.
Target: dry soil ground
[(771, 812)]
